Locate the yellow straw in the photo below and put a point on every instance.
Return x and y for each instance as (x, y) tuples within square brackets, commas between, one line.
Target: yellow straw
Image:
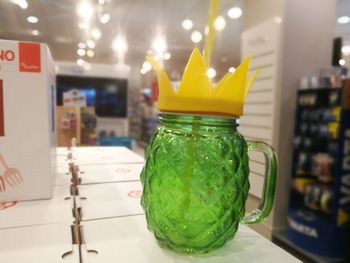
[(209, 39)]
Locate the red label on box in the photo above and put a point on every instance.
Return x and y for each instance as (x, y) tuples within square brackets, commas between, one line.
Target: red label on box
[(29, 57), (2, 121)]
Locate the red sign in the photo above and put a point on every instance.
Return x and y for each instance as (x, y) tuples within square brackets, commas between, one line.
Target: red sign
[(2, 121), (29, 57), (7, 55)]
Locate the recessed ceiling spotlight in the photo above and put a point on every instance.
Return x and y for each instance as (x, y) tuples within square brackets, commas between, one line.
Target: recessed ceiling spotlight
[(167, 56), (232, 69), (91, 44), (32, 19), (90, 53), (81, 52), (159, 45), (146, 66), (104, 18), (35, 32), (21, 3), (85, 10), (196, 36), (234, 12), (219, 23), (346, 50), (342, 62), (80, 62), (120, 45), (82, 45), (343, 20), (187, 24), (277, 19), (211, 73), (96, 33), (143, 71)]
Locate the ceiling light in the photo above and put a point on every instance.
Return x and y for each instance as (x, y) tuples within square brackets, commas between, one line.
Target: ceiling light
[(220, 23), (85, 10), (32, 19), (35, 32), (21, 3), (87, 66), (146, 66), (211, 73), (83, 25), (277, 19), (342, 62), (159, 45), (143, 71), (346, 50), (206, 30), (234, 12), (81, 52), (90, 53), (343, 20), (167, 56), (196, 36), (104, 19), (187, 24), (91, 44), (80, 62), (101, 2), (232, 69), (119, 44), (96, 33), (82, 45)]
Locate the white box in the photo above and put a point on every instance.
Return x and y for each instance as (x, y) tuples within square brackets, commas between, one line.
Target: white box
[(40, 212), (110, 200), (127, 240), (101, 155), (27, 121), (40, 244), (109, 173)]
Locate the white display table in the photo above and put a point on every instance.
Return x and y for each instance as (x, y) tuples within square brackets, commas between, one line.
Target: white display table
[(127, 240), (109, 222)]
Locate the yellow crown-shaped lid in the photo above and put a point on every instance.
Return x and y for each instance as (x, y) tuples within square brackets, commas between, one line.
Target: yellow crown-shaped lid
[(196, 95)]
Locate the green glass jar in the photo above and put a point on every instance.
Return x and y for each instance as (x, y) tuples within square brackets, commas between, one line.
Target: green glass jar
[(195, 182)]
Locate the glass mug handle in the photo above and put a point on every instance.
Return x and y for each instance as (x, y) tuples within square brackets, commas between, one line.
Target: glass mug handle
[(266, 203)]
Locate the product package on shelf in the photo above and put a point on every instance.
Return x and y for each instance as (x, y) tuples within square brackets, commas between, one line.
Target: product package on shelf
[(27, 121), (319, 212)]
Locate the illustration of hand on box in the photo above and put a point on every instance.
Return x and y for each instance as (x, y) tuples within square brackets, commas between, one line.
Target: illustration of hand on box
[(10, 175)]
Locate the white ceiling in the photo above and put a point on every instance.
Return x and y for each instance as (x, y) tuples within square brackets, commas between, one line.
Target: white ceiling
[(139, 20)]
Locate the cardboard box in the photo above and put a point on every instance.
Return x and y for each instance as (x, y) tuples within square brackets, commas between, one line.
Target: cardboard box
[(109, 173), (40, 244), (127, 240), (100, 155), (109, 200), (40, 212), (27, 121)]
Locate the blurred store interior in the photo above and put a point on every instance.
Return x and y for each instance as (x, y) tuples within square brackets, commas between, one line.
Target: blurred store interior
[(107, 92)]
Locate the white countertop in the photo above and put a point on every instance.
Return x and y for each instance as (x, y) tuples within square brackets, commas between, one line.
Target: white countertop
[(127, 240)]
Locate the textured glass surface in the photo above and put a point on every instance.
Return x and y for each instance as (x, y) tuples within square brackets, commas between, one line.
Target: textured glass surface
[(195, 182)]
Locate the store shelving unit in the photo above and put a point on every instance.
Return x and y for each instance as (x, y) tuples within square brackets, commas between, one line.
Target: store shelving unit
[(319, 208), (71, 125)]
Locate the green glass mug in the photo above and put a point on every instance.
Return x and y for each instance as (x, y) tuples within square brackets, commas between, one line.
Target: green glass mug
[(195, 182)]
